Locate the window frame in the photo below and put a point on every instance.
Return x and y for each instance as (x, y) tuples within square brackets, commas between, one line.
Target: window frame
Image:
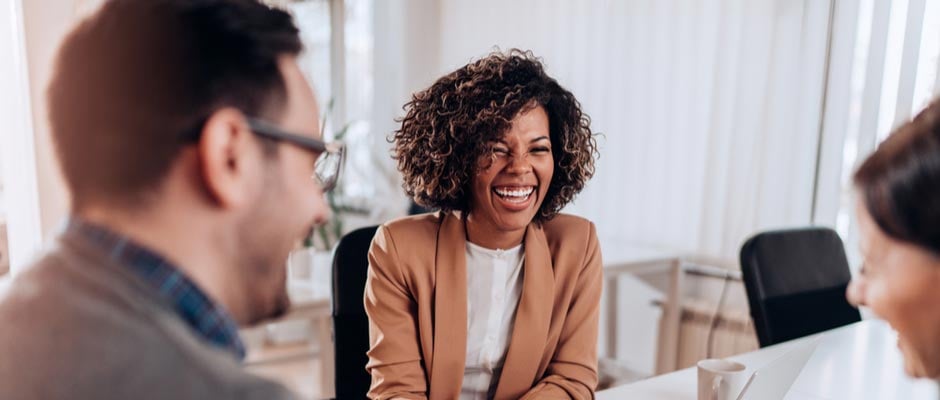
[(18, 152)]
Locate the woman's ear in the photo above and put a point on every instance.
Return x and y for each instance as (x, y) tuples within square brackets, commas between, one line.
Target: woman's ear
[(226, 149)]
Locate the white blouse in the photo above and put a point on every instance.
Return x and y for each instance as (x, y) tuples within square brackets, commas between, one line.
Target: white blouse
[(494, 285)]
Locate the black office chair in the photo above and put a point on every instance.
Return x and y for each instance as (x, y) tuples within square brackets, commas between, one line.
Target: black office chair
[(795, 281), (350, 323), (415, 209)]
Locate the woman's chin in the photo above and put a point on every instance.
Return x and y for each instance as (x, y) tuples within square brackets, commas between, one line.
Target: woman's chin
[(513, 224), (513, 219), (913, 369), (914, 365)]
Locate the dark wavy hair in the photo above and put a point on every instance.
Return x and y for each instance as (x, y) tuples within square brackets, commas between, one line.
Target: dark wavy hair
[(900, 182), (450, 125)]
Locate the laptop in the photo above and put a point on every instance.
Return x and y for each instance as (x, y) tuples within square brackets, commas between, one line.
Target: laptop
[(773, 381)]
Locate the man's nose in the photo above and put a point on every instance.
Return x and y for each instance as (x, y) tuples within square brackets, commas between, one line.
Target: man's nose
[(322, 212), (321, 218)]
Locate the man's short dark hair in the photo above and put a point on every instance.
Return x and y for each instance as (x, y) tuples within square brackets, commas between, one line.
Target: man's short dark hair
[(133, 79)]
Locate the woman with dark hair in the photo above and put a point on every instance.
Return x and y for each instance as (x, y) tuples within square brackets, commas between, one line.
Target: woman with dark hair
[(497, 294), (899, 224)]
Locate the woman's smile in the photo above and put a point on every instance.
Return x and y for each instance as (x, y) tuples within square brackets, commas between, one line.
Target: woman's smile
[(515, 198)]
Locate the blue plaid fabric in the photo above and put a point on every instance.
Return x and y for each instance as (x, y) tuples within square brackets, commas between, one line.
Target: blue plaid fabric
[(208, 319)]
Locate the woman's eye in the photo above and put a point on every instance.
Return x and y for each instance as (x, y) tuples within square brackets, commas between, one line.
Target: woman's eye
[(541, 150), (500, 151)]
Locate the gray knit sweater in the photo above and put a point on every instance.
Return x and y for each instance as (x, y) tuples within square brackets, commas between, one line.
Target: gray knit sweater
[(75, 325)]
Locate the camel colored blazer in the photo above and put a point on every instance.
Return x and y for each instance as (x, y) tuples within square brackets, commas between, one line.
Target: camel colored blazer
[(416, 299)]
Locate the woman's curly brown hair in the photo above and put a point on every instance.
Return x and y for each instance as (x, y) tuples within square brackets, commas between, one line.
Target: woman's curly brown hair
[(450, 125)]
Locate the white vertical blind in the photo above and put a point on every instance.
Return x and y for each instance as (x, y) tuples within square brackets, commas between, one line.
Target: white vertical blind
[(894, 69), (924, 86), (891, 63), (909, 60), (874, 73), (405, 59), (838, 107)]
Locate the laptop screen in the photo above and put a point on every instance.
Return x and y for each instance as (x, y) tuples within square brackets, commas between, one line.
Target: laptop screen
[(772, 381)]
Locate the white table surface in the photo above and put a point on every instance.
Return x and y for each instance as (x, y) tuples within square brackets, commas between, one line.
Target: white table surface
[(621, 257), (618, 254), (859, 361)]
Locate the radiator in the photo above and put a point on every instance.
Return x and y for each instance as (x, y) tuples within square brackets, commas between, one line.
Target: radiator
[(733, 333)]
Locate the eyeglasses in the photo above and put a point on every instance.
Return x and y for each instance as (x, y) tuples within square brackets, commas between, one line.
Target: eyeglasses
[(332, 156)]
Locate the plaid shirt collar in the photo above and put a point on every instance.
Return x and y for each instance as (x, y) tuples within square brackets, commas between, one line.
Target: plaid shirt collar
[(208, 319)]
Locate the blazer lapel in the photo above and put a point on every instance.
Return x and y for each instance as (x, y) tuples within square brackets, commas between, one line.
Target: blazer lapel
[(450, 309), (530, 328)]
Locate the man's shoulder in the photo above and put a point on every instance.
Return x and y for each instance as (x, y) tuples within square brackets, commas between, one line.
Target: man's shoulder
[(49, 284), (64, 286), (63, 322)]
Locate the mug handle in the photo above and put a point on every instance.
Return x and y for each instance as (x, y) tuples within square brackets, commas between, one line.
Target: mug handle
[(716, 384)]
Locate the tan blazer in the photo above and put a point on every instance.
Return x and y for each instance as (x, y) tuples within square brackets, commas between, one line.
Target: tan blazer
[(416, 298)]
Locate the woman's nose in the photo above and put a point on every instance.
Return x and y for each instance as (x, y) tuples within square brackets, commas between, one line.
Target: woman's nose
[(855, 292), (519, 163)]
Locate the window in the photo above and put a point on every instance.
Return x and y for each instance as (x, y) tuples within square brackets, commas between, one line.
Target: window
[(890, 61), (20, 235), (337, 35)]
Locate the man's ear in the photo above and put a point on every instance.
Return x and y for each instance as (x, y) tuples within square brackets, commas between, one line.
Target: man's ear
[(226, 150)]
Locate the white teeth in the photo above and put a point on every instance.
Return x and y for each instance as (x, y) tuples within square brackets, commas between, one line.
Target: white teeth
[(514, 192)]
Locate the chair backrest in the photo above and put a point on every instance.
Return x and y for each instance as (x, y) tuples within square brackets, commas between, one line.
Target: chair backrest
[(795, 281), (350, 323)]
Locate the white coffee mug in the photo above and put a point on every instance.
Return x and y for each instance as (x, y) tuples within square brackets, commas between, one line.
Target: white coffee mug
[(720, 379)]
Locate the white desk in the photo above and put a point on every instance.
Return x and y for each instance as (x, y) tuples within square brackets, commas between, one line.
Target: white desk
[(859, 361), (306, 368), (620, 259)]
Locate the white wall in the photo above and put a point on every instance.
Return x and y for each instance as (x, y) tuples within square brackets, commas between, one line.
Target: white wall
[(46, 22), (407, 59)]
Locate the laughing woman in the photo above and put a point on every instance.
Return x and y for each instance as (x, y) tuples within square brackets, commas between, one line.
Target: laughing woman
[(898, 190), (496, 296)]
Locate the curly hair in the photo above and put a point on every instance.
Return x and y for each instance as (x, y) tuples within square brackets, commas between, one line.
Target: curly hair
[(450, 125)]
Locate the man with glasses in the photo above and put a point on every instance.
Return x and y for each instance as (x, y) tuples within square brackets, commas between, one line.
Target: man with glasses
[(187, 137)]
